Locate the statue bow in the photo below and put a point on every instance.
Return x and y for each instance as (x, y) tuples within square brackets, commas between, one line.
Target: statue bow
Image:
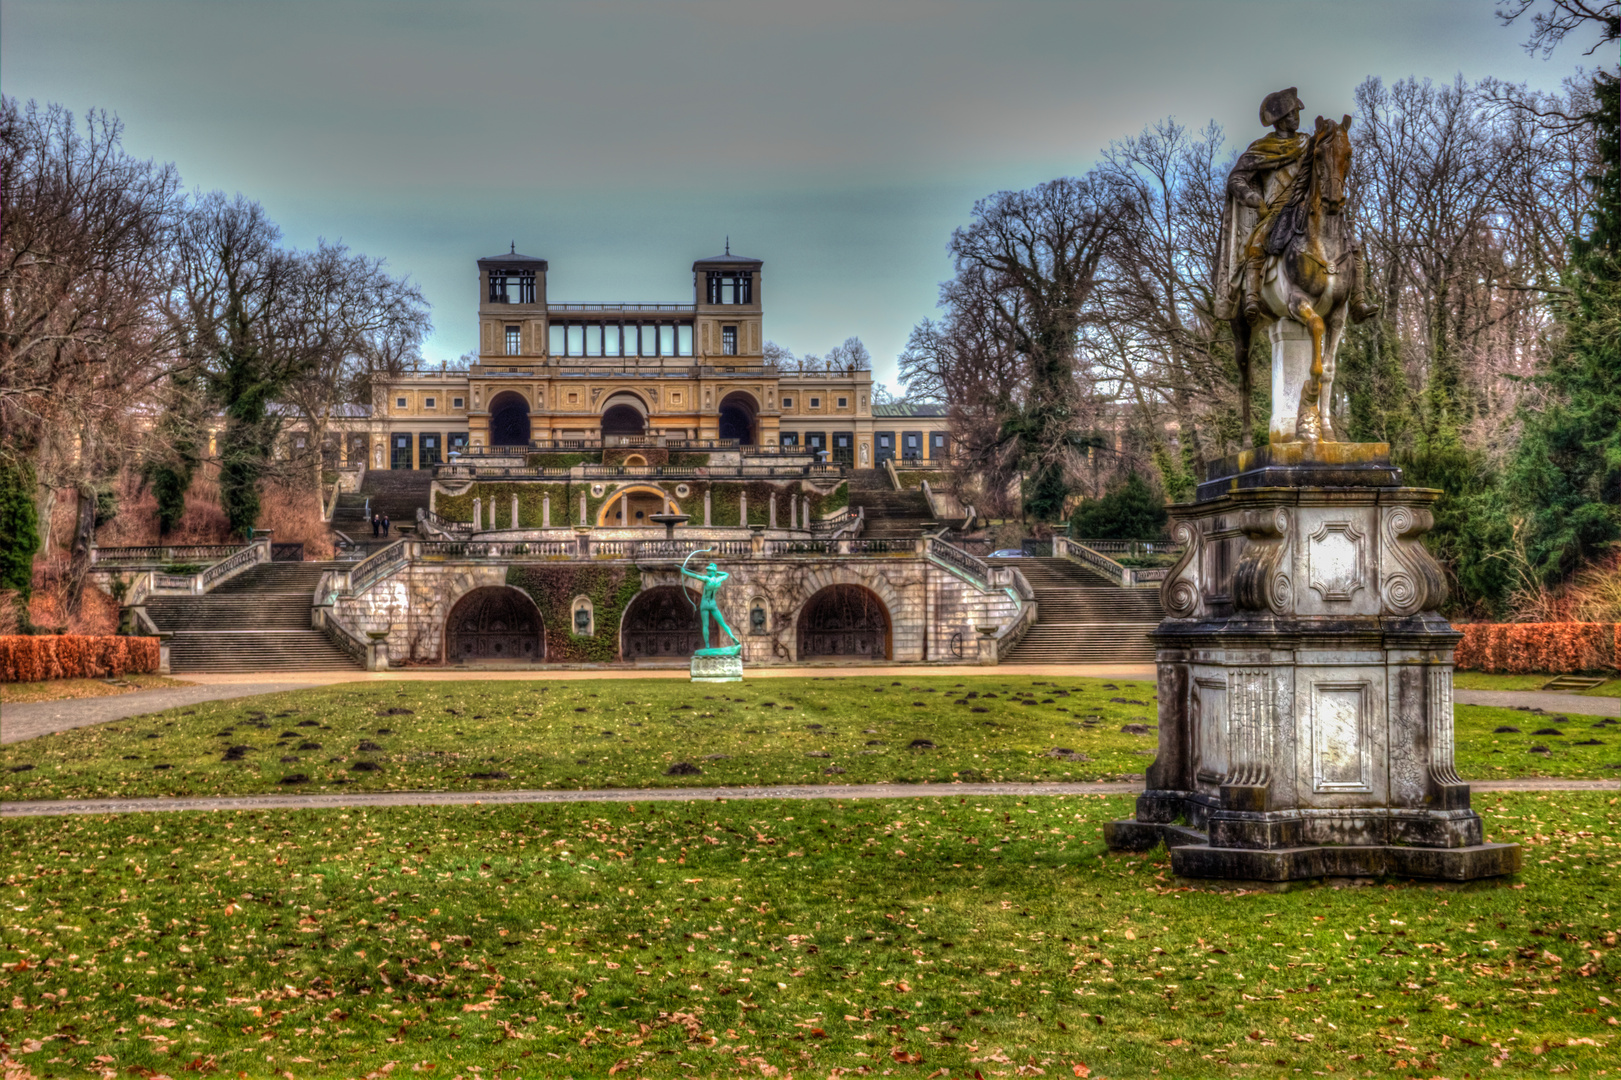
[(684, 562)]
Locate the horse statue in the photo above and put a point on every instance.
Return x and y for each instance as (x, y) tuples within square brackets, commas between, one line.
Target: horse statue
[(1308, 270)]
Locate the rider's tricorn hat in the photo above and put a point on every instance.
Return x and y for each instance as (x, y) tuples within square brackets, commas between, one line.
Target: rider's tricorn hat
[(1278, 105)]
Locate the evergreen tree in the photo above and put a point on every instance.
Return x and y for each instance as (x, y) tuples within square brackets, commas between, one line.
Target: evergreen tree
[(1565, 474), (1130, 510), (19, 529)]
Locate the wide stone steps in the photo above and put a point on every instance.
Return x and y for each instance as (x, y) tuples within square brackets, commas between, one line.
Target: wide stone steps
[(257, 621), (256, 650), (892, 514), (1079, 620), (268, 612), (397, 492)]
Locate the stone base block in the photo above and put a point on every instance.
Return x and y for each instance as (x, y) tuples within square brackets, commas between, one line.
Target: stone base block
[(717, 669), (1143, 836), (1297, 863)]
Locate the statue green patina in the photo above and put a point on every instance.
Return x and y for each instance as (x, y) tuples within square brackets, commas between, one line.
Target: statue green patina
[(713, 578)]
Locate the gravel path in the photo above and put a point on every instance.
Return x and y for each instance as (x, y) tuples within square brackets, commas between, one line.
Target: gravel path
[(1540, 699), (57, 808), (35, 718)]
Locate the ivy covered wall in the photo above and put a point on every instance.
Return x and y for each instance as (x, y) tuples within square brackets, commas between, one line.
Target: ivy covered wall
[(553, 589)]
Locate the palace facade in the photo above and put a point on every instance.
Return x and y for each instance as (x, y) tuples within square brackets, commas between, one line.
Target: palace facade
[(560, 375)]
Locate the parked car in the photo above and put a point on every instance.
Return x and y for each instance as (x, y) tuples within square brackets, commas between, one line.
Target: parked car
[(1009, 553)]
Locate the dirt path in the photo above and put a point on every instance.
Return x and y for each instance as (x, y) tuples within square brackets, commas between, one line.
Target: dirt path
[(29, 720), (58, 808), (1545, 700)]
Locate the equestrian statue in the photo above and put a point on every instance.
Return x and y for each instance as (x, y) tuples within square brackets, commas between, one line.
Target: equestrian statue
[(1287, 255)]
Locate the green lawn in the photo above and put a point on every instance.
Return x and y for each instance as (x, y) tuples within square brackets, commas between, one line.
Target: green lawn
[(603, 733), (922, 937), (1480, 680), (630, 733)]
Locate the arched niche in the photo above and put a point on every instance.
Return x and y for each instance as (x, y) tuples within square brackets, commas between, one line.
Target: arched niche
[(661, 623), (844, 620), (641, 502), (495, 623)]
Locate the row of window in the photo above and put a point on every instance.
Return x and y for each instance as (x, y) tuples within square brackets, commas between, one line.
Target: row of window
[(842, 445), (619, 339), (430, 446), (814, 402), (430, 402)]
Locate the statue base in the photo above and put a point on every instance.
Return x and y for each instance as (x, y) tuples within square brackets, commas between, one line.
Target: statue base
[(1305, 682), (717, 668)]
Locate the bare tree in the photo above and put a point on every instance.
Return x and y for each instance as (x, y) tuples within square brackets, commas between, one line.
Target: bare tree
[(352, 325), (1552, 23), (84, 259), (1026, 266), (235, 306)]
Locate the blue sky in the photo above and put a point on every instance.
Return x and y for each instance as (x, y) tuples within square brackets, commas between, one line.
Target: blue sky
[(839, 140)]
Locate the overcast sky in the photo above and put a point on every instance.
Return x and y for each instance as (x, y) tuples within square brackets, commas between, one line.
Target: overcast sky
[(839, 140)]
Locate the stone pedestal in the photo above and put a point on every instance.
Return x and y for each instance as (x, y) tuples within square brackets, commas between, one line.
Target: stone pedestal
[(717, 668), (1305, 681)]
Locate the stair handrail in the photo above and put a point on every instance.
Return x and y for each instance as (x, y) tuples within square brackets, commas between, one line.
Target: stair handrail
[(353, 646), (928, 497), (1011, 634), (223, 571), (1077, 552), (375, 567), (894, 477), (331, 505), (955, 559)]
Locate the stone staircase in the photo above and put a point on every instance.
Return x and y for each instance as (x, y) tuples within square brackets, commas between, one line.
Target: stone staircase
[(256, 621), (397, 493), (1080, 620), (890, 514)]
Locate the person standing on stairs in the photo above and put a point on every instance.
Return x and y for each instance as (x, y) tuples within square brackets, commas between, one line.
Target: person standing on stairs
[(376, 525), (385, 524)]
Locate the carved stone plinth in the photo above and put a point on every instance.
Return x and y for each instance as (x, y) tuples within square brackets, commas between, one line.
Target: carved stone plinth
[(717, 668), (1305, 683)]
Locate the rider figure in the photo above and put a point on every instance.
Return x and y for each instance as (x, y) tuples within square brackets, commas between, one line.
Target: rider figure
[(1256, 190), (707, 607)]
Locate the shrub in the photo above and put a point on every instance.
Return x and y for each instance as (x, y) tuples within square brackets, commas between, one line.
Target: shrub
[(34, 658), (1536, 648)]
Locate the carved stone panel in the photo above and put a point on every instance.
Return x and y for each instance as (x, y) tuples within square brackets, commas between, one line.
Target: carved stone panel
[(1341, 755), (1337, 561), (1210, 730)]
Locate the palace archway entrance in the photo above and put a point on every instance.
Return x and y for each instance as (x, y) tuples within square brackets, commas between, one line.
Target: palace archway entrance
[(509, 419), (494, 623), (844, 620), (661, 624)]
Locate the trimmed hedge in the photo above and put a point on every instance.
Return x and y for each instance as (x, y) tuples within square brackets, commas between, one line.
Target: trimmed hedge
[(35, 658), (1537, 648)]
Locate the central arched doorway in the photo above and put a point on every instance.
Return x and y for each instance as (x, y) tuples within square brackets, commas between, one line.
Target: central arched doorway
[(509, 419), (739, 418), (495, 623), (624, 414), (844, 620), (660, 624)]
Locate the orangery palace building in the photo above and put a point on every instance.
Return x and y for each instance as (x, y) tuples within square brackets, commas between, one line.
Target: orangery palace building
[(555, 375)]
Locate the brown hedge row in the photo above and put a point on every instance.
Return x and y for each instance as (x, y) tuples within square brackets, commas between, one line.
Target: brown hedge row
[(34, 658), (1537, 648)]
